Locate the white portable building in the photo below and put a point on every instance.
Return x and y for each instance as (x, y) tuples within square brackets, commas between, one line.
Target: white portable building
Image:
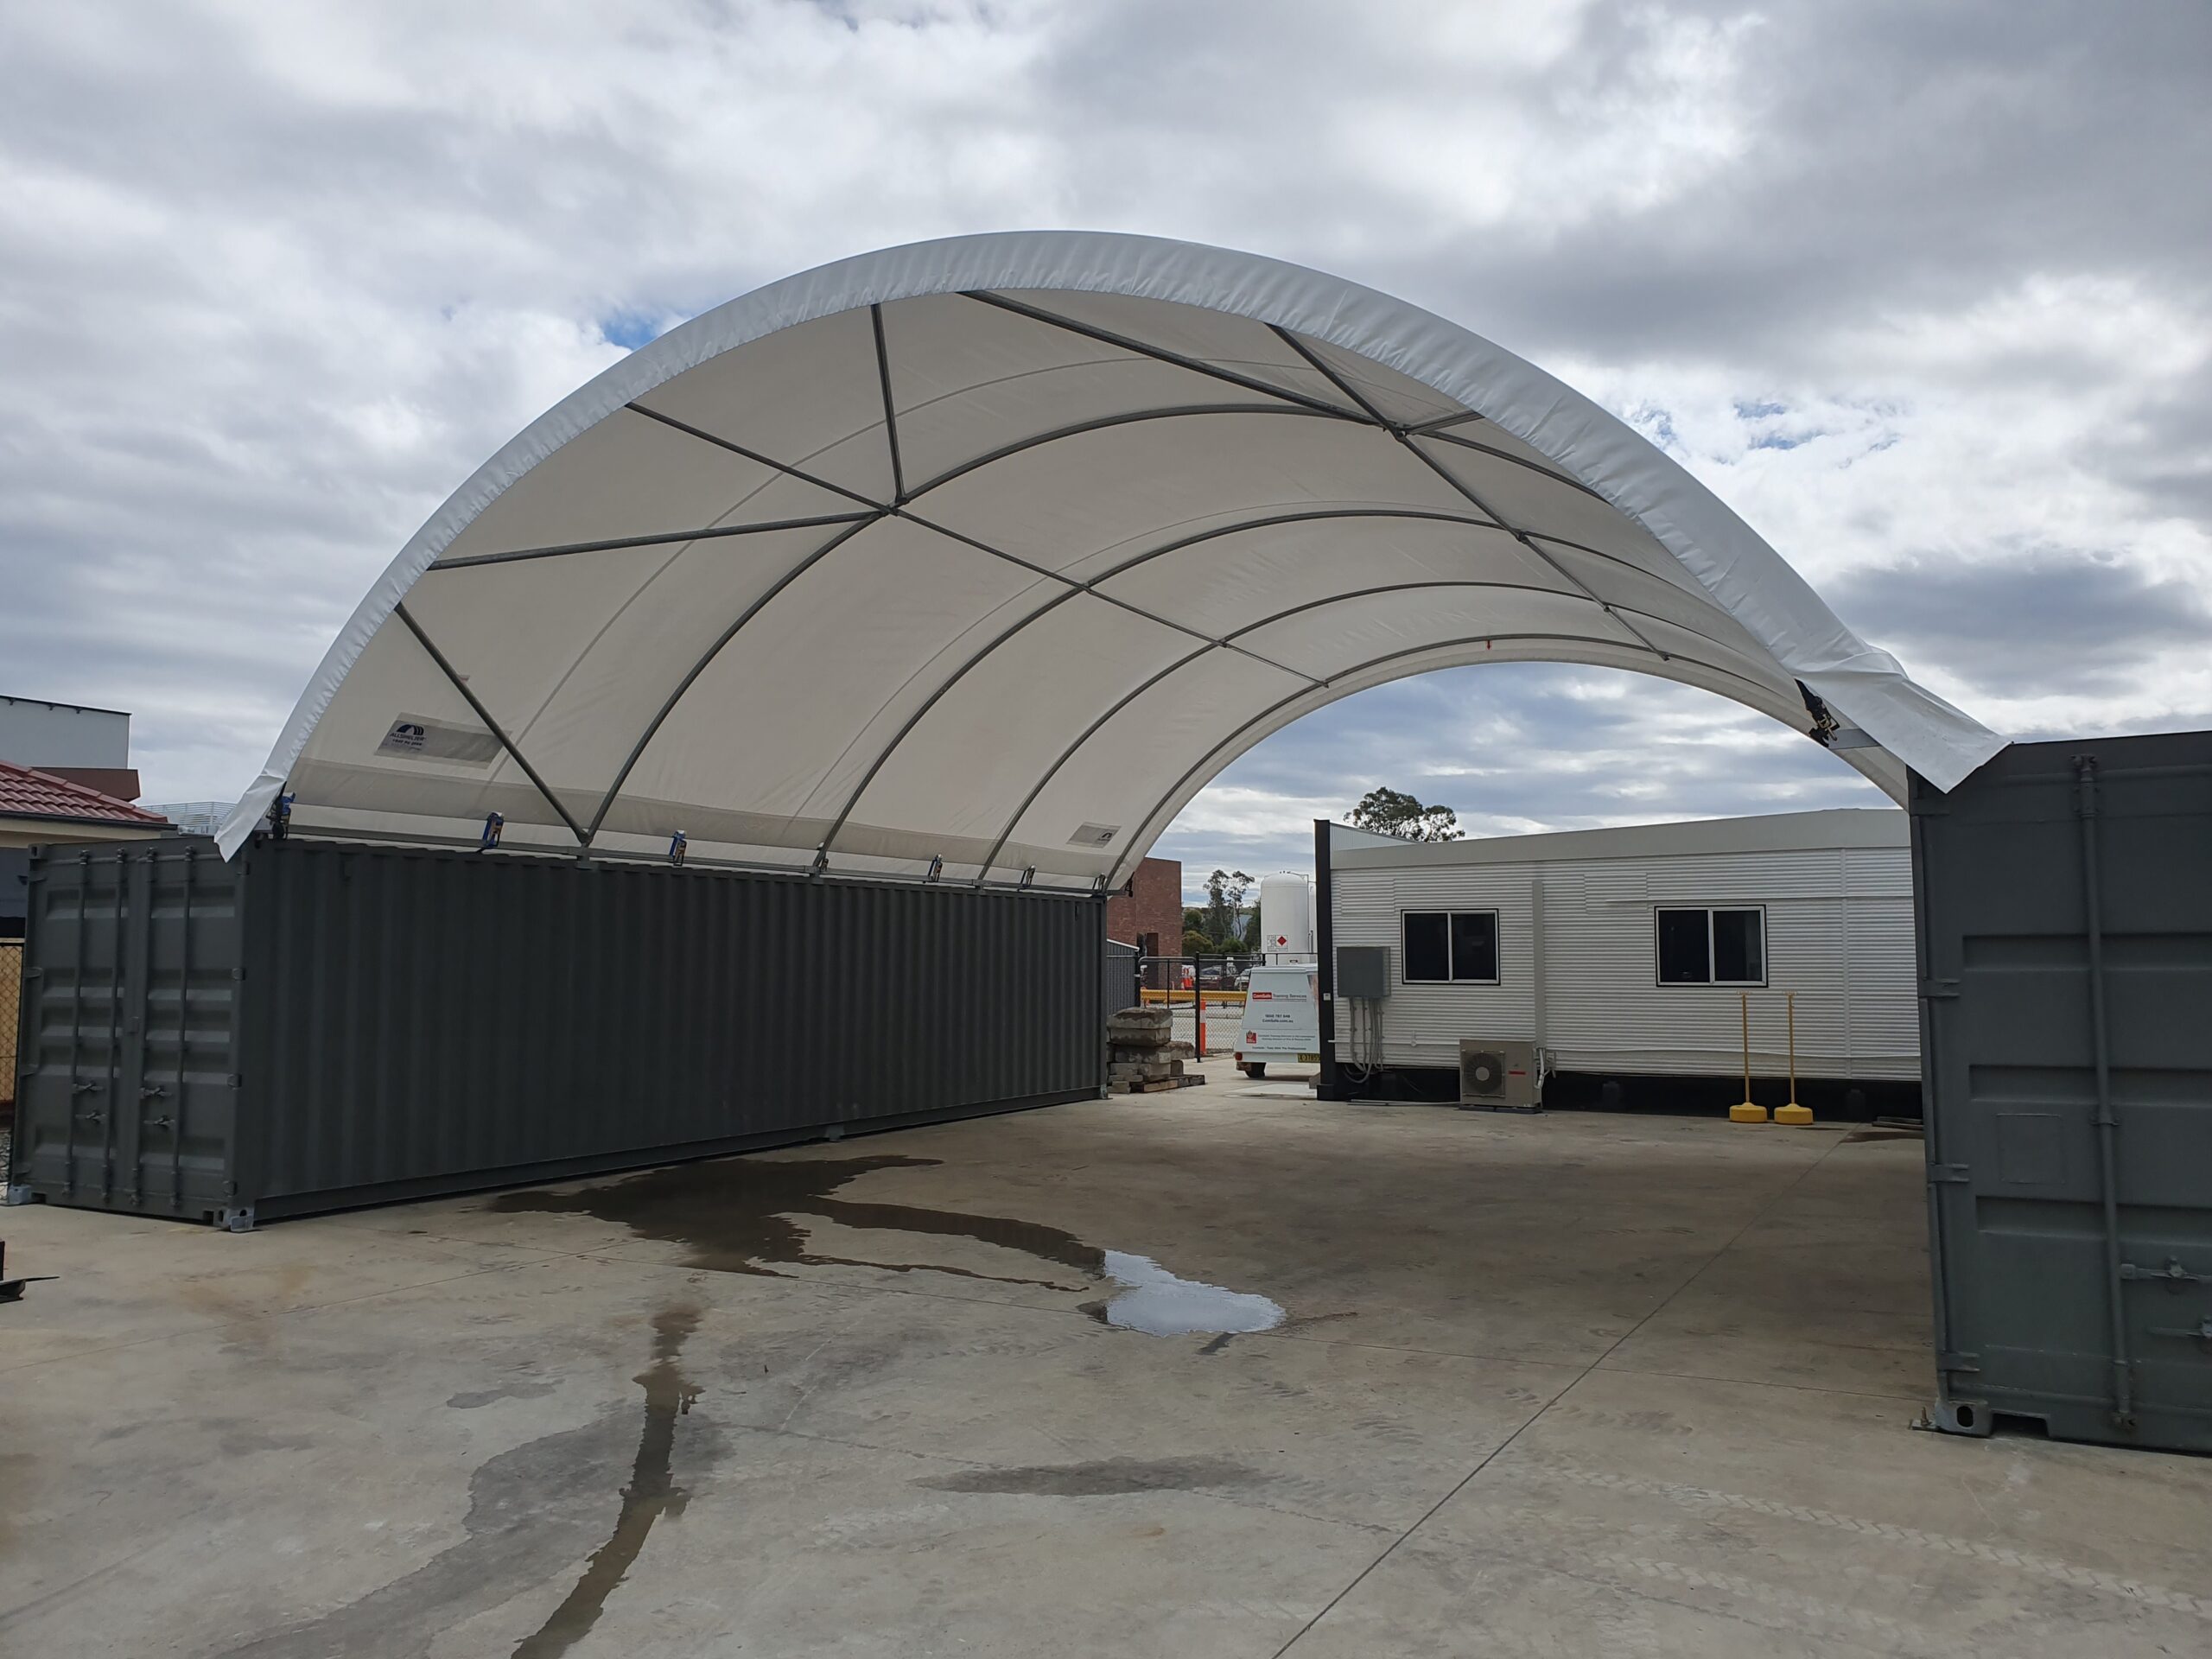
[(1630, 951)]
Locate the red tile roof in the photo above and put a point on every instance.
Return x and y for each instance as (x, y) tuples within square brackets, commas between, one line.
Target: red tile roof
[(25, 793)]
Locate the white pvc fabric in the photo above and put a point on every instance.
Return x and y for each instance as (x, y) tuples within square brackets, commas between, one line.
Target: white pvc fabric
[(978, 558)]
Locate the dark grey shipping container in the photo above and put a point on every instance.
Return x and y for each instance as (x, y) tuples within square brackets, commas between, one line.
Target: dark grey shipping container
[(2065, 912), (318, 1025), (1120, 986)]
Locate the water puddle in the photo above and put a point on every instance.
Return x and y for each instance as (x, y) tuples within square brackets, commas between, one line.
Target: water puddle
[(742, 1215), (1162, 1304), (651, 1492)]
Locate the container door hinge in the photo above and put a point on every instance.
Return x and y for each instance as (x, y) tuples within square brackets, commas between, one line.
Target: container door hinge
[(1952, 1360), (1958, 1172), (1939, 990)]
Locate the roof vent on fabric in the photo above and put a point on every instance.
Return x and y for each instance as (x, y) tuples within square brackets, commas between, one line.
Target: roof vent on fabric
[(995, 549)]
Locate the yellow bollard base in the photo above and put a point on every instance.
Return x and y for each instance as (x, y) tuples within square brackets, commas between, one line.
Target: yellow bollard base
[(1793, 1113), (1745, 1112)]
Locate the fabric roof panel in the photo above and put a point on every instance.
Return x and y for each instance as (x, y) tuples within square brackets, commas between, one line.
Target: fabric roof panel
[(1142, 746), (968, 380), (1328, 641), (1005, 716), (575, 656), (1395, 396), (773, 722), (830, 658), (1539, 504), (409, 742), (1231, 582), (632, 477), (1236, 345), (808, 397), (1086, 504)]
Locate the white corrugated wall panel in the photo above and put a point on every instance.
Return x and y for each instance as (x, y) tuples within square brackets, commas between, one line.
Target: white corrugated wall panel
[(1422, 1024), (1839, 933)]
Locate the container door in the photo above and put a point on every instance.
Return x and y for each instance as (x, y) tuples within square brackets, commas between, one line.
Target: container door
[(70, 1049), (127, 1090), (2065, 903)]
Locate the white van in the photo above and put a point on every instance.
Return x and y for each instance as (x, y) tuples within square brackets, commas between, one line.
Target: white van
[(1282, 1018)]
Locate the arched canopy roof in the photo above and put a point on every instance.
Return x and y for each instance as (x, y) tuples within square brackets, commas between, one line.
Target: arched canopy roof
[(994, 550)]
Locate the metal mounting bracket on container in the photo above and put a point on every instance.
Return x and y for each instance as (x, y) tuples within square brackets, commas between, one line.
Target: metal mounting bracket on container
[(1971, 1417), (236, 1221), (19, 1193)]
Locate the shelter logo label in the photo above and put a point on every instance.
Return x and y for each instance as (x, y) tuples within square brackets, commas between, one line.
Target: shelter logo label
[(413, 737), (1094, 835)]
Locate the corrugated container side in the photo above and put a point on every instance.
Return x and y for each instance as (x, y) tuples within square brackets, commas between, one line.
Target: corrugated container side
[(2066, 933), (412, 1020)]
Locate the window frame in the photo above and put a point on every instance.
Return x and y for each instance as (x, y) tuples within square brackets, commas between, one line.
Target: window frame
[(1497, 945), (1711, 953)]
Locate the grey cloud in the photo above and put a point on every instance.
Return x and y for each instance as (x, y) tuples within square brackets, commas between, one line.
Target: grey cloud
[(1512, 747), (2040, 621), (277, 280), (1895, 157)]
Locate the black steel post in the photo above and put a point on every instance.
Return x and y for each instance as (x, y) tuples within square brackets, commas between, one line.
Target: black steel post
[(1327, 1086)]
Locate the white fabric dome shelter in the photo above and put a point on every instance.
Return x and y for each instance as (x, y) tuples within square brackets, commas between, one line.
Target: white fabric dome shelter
[(994, 550)]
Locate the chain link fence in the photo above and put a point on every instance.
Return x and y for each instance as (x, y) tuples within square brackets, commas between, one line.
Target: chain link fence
[(1205, 993)]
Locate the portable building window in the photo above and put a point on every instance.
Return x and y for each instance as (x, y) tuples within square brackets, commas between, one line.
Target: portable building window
[(1443, 946), (1712, 947)]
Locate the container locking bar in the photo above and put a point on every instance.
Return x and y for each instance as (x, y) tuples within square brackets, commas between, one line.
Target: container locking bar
[(2202, 1332), (2173, 1275)]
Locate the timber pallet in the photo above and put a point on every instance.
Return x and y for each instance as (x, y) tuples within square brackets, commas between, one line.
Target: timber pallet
[(1160, 1085)]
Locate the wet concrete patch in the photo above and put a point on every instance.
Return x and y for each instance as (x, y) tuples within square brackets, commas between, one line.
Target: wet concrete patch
[(531, 1511), (736, 1215), (1288, 1327), (651, 1492), (741, 1215), (1103, 1478), (470, 1400)]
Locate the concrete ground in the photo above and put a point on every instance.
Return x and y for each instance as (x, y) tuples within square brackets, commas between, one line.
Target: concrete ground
[(1565, 1385)]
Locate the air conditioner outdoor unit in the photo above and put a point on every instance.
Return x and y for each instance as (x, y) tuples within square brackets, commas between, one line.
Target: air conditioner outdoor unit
[(1504, 1077)]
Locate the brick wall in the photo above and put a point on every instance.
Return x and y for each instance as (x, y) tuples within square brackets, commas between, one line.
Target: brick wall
[(1153, 904)]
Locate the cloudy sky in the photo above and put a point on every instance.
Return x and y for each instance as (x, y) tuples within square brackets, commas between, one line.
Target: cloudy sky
[(1922, 290)]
